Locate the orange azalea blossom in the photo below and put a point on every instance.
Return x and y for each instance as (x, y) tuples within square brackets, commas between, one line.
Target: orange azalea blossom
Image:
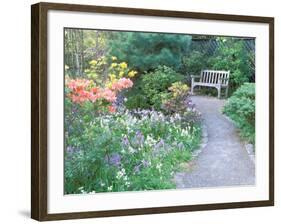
[(122, 83), (109, 95), (95, 90), (81, 91), (111, 109), (78, 84)]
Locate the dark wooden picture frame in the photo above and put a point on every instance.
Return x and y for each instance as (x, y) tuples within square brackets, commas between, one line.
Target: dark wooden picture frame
[(39, 105)]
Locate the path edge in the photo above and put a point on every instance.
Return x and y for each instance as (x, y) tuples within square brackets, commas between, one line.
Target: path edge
[(249, 148)]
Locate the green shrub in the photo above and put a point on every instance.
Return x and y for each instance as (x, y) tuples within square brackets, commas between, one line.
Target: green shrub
[(137, 101), (152, 89), (240, 107), (233, 56), (195, 62)]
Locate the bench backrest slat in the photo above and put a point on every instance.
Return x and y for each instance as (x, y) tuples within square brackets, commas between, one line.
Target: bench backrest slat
[(213, 77)]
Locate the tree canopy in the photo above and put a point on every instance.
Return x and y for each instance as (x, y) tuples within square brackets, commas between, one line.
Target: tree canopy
[(146, 51)]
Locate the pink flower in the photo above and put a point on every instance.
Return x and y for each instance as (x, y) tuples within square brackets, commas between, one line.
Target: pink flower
[(109, 95), (122, 83), (126, 83), (81, 90), (111, 109)]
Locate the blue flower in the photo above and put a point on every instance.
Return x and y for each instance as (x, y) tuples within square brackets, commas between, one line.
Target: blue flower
[(114, 159), (125, 142), (139, 138), (159, 145), (145, 163)]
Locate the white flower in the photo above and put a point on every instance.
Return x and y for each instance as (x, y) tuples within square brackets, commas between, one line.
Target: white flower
[(150, 141), (131, 149), (184, 132), (120, 173), (158, 166), (81, 189), (110, 188)]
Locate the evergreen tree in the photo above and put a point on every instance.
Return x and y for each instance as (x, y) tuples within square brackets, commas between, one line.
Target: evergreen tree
[(146, 51)]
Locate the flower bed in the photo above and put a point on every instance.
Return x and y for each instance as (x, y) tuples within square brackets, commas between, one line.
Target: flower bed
[(110, 148), (128, 151)]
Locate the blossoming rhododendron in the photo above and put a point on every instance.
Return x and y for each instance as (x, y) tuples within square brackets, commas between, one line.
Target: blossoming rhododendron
[(122, 83), (83, 90), (111, 109), (109, 95)]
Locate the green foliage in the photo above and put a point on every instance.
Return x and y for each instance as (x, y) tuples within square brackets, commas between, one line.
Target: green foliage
[(146, 51), (125, 152), (240, 107), (195, 62), (231, 55), (152, 89)]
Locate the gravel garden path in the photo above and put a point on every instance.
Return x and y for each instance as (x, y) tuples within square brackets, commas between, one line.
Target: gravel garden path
[(223, 160)]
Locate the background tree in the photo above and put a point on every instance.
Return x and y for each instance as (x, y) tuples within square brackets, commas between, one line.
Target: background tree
[(74, 50), (83, 46), (146, 51)]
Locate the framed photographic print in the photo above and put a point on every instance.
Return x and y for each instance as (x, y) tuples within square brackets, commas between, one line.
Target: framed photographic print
[(140, 111)]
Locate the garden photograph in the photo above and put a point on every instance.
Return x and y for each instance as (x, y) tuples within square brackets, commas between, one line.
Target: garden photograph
[(157, 111)]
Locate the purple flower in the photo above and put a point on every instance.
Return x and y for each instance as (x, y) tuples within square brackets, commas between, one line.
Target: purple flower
[(137, 168), (125, 141), (114, 159), (145, 163), (190, 104), (139, 138), (159, 145)]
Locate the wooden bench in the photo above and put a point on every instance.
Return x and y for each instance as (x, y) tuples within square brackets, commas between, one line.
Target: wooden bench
[(212, 78)]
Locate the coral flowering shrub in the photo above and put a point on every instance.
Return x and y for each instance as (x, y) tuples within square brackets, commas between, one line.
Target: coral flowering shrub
[(84, 90), (122, 83)]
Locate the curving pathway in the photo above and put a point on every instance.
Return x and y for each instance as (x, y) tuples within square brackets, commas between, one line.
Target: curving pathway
[(224, 160)]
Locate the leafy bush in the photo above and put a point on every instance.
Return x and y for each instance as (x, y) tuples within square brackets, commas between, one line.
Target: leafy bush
[(127, 152), (195, 62), (153, 86), (240, 107), (232, 55)]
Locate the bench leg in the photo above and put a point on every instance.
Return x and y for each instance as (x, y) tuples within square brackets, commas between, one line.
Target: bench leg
[(219, 92), (192, 86), (226, 92)]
